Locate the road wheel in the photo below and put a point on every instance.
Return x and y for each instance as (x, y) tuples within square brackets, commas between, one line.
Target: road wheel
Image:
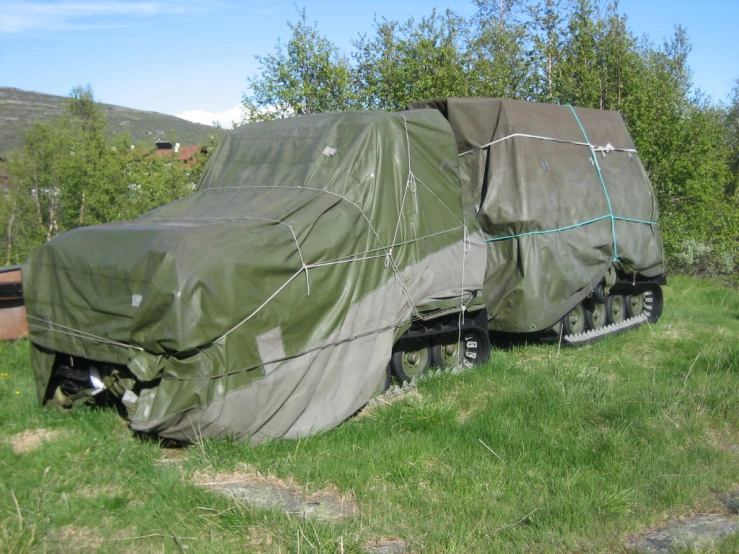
[(635, 304), (473, 349), (407, 365), (595, 315), (616, 308), (574, 322)]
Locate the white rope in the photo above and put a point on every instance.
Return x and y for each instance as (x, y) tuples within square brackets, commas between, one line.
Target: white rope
[(466, 247), (604, 149), (77, 333), (442, 203), (255, 312), (408, 184), (402, 243)]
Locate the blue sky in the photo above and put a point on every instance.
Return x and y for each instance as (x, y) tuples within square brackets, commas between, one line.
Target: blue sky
[(174, 57)]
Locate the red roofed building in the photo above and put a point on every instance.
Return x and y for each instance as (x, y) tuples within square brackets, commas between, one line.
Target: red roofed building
[(183, 153)]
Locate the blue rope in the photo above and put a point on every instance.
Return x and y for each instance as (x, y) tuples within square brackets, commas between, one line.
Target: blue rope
[(634, 220), (601, 218), (549, 231), (602, 182)]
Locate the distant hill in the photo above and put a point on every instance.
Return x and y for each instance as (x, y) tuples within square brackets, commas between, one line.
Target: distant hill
[(20, 108)]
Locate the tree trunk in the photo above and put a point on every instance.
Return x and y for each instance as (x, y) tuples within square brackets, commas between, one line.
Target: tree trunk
[(10, 232), (82, 210), (36, 194)]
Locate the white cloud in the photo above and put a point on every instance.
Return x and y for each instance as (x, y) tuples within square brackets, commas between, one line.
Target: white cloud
[(226, 117), (25, 15)]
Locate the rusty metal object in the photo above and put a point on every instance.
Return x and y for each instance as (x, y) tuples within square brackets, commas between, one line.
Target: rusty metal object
[(13, 323)]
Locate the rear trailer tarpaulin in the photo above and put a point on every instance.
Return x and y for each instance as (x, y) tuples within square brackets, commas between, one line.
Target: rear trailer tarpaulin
[(560, 194), (266, 303)]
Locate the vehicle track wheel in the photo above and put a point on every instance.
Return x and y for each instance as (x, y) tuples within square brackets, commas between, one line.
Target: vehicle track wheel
[(595, 315), (653, 304), (446, 356), (574, 322), (616, 308), (635, 304), (473, 349), (407, 365)]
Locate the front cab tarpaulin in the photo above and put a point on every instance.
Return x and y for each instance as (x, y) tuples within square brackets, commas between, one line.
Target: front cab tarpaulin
[(266, 304), (561, 196)]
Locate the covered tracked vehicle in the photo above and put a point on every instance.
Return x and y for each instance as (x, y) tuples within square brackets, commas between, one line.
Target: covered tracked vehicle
[(322, 253), (568, 212), (270, 302)]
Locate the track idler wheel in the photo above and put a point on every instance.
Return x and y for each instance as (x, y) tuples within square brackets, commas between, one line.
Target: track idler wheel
[(473, 349), (649, 303), (410, 362)]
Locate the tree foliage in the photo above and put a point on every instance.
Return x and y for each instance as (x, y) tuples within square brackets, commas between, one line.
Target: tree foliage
[(70, 174), (579, 52), (306, 75)]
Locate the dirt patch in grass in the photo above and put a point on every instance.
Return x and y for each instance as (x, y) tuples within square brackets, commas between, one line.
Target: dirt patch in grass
[(270, 492), (71, 538), (172, 455), (378, 403), (90, 491), (724, 440), (675, 331), (32, 439), (387, 545)]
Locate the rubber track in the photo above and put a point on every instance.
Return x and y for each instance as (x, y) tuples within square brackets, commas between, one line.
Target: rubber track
[(399, 390), (612, 329), (576, 340)]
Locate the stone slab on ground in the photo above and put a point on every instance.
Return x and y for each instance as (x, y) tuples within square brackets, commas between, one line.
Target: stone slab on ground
[(696, 532), (731, 502)]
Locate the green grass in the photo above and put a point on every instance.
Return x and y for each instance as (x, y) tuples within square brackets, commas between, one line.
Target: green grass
[(541, 450)]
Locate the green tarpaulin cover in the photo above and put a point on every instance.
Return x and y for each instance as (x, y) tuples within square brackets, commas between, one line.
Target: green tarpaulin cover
[(560, 194), (266, 303)]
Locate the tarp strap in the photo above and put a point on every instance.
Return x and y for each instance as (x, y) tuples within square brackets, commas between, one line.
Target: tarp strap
[(602, 182)]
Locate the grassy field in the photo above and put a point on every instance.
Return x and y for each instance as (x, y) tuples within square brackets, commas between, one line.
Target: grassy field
[(541, 450)]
